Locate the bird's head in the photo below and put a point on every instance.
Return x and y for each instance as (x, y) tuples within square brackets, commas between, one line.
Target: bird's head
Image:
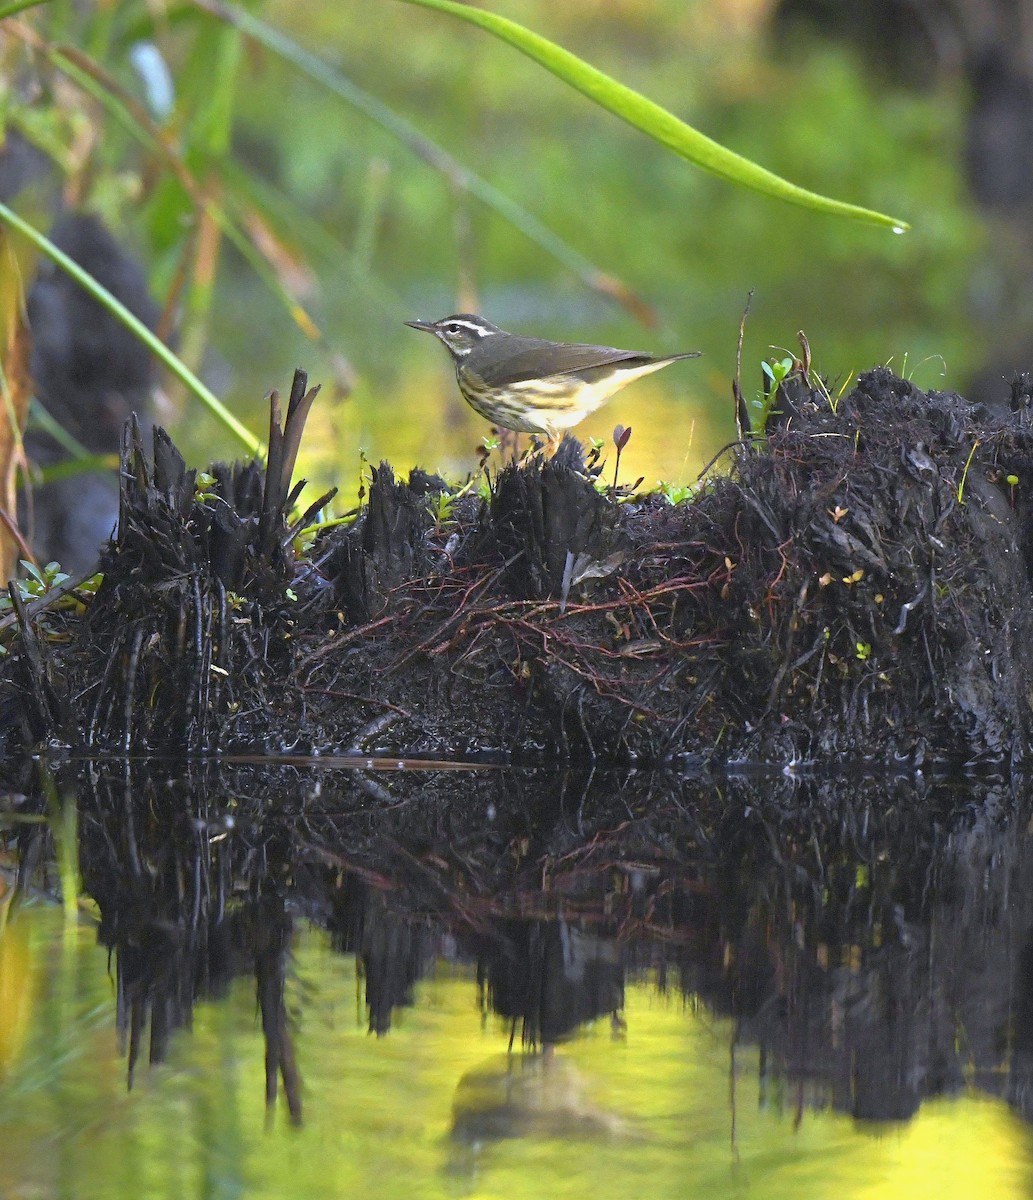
[(460, 333)]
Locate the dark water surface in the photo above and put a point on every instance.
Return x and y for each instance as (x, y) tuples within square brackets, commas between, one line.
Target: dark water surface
[(485, 983)]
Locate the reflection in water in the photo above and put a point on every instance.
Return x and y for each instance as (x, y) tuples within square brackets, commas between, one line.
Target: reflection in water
[(870, 942), (550, 977), (528, 1096)]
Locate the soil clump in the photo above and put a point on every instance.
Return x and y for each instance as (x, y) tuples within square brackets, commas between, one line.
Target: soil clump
[(856, 587)]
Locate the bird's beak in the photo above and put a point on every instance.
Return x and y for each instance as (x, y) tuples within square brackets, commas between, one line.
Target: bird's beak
[(426, 326)]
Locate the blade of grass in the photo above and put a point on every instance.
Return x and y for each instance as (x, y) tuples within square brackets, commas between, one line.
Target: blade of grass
[(71, 467), (435, 156), (648, 116), (122, 314), (63, 818), (9, 10), (15, 391)]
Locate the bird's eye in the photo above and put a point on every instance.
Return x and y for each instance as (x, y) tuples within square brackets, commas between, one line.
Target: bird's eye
[(454, 330)]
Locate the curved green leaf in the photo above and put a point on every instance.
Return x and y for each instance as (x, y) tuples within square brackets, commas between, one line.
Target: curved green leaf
[(652, 119), (136, 327)]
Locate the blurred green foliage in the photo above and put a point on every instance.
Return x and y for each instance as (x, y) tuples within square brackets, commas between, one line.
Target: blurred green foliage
[(361, 234)]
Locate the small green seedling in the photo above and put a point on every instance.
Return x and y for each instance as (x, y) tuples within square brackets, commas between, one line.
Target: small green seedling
[(776, 373), (676, 493), (441, 506), (43, 580), (203, 485)]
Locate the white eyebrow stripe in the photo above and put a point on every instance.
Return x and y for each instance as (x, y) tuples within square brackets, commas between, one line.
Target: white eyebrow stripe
[(478, 329)]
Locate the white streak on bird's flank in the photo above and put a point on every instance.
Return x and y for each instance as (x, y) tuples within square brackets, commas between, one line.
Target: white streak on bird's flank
[(546, 386)]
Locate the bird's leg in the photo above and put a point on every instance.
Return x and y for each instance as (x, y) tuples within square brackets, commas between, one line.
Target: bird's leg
[(544, 448)]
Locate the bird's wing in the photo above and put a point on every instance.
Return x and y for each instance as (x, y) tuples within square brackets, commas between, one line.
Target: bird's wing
[(533, 359)]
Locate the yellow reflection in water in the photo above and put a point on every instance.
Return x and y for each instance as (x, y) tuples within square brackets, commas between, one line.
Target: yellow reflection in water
[(438, 1109), (15, 974), (970, 1147)]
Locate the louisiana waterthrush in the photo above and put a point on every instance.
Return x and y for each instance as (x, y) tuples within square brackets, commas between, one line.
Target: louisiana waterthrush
[(530, 385)]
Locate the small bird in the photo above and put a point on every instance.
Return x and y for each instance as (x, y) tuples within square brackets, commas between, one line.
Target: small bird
[(530, 385)]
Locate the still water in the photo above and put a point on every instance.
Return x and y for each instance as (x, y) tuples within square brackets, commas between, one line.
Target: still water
[(497, 983)]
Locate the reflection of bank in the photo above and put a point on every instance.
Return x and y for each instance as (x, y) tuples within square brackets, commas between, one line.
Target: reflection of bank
[(877, 948), (550, 978), (872, 939), (185, 913)]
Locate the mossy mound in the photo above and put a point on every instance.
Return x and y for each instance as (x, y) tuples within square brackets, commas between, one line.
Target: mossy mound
[(856, 587)]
